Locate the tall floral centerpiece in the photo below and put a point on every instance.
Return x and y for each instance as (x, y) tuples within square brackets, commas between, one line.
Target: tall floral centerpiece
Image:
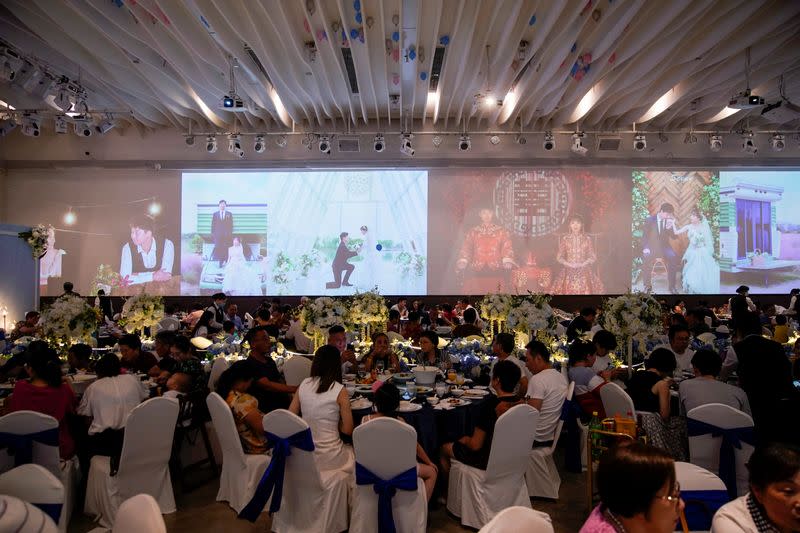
[(320, 314), (633, 317), (367, 312), (532, 316), (69, 320), (495, 308), (141, 311), (36, 237)]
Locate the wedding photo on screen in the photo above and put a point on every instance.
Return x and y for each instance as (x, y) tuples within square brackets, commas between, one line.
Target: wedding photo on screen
[(760, 230), (555, 231), (304, 233)]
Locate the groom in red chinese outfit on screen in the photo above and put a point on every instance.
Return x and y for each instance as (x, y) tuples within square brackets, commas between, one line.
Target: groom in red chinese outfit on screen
[(486, 257)]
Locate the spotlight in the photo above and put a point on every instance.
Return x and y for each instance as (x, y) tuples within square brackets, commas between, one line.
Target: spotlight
[(324, 144), (104, 127), (520, 139), (83, 128), (70, 218), (494, 140), (378, 143), (778, 142), (235, 145), (31, 125), (748, 146), (281, 141), (7, 72), (81, 106), (437, 141), (549, 143), (464, 143), (690, 138), (189, 140), (259, 145), (577, 144), (61, 125), (211, 144), (715, 143), (62, 99), (406, 148), (154, 209), (639, 142), (7, 126)]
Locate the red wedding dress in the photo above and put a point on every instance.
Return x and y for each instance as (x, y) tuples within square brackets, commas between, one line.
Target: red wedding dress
[(486, 248), (577, 249)]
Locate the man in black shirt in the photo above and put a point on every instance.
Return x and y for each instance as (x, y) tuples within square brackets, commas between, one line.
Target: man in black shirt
[(581, 323), (268, 386)]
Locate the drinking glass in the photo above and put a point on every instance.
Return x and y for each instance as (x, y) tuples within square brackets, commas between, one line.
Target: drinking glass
[(411, 387), (451, 375), (379, 366), (441, 389), (460, 379)]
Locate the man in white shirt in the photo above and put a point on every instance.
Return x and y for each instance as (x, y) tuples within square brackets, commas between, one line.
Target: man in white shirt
[(679, 337), (547, 389), (145, 258), (401, 307), (705, 388), (233, 315), (301, 341), (503, 348)]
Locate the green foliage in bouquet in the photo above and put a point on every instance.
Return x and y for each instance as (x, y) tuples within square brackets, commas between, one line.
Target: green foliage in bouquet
[(709, 206), (640, 212), (107, 279), (410, 263)]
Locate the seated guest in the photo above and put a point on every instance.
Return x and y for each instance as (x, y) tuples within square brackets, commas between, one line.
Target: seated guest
[(474, 449), (394, 321), (108, 402), (232, 387), (295, 333), (45, 392), (401, 307), (430, 354), (203, 326), (25, 328), (503, 347), (696, 322), (448, 316), (163, 351), (232, 314), (679, 338), (587, 382), (178, 384), (338, 339), (581, 324), (278, 318), (16, 365), (192, 318), (263, 317), (381, 351), (468, 327), (705, 388), (387, 400), (79, 357), (781, 334), (413, 327), (773, 503), (228, 331), (133, 358), (547, 389), (649, 388), (186, 362), (638, 491), (163, 342), (324, 404), (267, 386)]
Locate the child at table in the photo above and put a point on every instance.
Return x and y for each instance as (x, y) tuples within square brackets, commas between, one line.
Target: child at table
[(387, 400)]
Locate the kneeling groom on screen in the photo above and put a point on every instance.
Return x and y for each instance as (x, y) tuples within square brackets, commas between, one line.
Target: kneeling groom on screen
[(146, 258), (340, 263)]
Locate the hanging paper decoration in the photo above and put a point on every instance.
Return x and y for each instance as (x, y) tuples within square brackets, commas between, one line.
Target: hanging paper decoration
[(411, 53), (612, 59), (357, 5), (353, 33), (532, 21), (444, 40), (322, 35), (120, 3), (358, 18), (574, 47), (396, 55), (423, 76), (581, 66), (395, 78), (396, 36), (586, 8), (306, 26)]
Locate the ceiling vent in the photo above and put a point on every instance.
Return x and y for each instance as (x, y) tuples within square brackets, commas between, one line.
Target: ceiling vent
[(258, 63), (347, 55), (436, 68), (349, 144), (608, 144)]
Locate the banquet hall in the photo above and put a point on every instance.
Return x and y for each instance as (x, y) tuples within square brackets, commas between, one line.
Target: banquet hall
[(399, 265)]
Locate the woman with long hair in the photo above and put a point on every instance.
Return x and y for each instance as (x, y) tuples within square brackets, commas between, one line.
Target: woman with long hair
[(232, 387), (202, 328), (577, 255)]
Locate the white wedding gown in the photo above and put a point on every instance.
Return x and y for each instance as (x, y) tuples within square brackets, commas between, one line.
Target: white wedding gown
[(700, 269), (240, 279)]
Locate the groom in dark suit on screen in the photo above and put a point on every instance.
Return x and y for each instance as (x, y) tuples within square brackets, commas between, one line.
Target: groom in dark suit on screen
[(340, 264), (221, 232), (658, 230)]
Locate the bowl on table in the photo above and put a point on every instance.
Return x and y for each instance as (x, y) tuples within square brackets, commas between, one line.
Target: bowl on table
[(425, 375), (458, 393), (433, 400)]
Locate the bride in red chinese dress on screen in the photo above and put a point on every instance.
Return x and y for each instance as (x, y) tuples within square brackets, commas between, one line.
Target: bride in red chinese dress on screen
[(576, 253), (486, 257)]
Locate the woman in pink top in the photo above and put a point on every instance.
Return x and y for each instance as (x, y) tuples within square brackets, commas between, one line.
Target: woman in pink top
[(46, 393)]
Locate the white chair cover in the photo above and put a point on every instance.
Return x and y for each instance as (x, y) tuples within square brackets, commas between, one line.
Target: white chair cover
[(542, 477), (387, 447), (139, 514), (707, 338), (248, 320), (34, 484), (219, 366), (19, 515), (313, 500), (394, 336), (296, 369), (704, 450), (514, 519), (444, 330), (616, 401), (143, 465), (477, 495), (693, 478), (240, 472), (68, 472), (168, 324)]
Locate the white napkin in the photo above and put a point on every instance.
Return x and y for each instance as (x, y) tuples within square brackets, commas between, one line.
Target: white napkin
[(443, 406)]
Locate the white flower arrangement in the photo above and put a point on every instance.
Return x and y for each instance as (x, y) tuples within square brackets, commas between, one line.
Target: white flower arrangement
[(36, 238), (68, 320), (634, 316), (367, 308), (530, 314), (496, 306), (141, 311), (322, 313)]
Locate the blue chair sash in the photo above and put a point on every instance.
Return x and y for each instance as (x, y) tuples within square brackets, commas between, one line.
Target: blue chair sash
[(570, 414), (53, 510), (701, 505), (731, 438), (386, 489), (272, 481), (21, 446)]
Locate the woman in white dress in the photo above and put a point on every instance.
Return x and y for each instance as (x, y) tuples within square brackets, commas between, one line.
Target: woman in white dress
[(324, 404), (50, 262), (240, 279), (700, 268)]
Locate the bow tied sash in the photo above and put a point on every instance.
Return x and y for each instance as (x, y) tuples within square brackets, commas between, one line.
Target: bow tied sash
[(570, 414), (272, 481), (21, 446), (731, 438), (386, 489)]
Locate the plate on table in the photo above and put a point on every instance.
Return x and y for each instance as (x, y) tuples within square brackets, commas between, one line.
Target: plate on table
[(403, 376), (466, 381), (364, 389), (348, 377), (456, 402), (422, 389), (481, 387), (361, 403), (476, 393), (408, 407), (9, 386)]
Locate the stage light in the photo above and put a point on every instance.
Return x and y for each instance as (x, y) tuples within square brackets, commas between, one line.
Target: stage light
[(748, 146), (7, 72), (715, 143), (189, 140), (235, 145), (437, 141), (549, 143), (154, 209), (378, 143), (7, 126), (577, 144), (690, 138), (81, 107), (281, 141), (406, 147), (324, 144), (62, 99), (639, 142), (464, 143), (104, 127), (83, 128), (494, 140), (521, 139), (31, 125), (778, 142), (211, 144), (259, 145), (60, 125), (70, 218)]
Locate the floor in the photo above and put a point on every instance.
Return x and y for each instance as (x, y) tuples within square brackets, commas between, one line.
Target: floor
[(198, 511)]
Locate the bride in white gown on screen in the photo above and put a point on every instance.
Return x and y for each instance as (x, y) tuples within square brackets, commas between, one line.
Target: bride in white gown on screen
[(240, 279), (700, 269)]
